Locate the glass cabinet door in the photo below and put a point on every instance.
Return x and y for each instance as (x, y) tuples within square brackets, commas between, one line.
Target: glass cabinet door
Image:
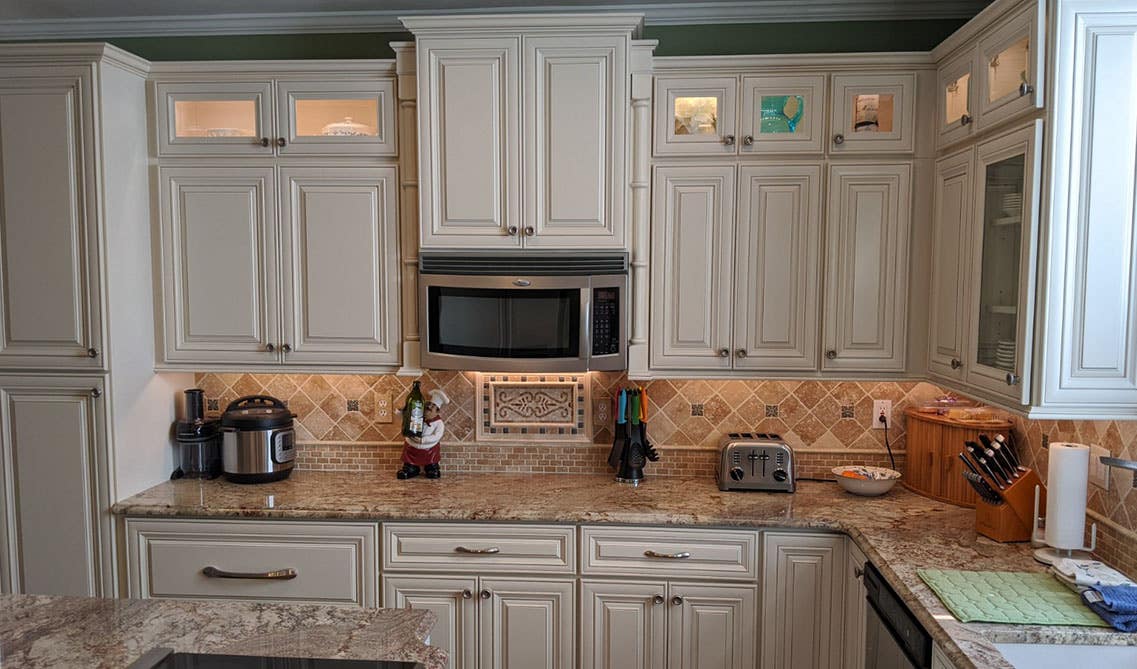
[(872, 113), (337, 117), (218, 118), (1008, 70), (696, 116), (783, 114), (1004, 263), (955, 92)]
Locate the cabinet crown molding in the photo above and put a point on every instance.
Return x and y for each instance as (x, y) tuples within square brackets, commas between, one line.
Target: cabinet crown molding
[(496, 24), (70, 54)]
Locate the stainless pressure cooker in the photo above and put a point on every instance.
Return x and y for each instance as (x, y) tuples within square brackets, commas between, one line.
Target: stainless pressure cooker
[(258, 442)]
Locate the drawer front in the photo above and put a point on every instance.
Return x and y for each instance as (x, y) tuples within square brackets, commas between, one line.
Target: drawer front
[(479, 547), (624, 551), (312, 562)]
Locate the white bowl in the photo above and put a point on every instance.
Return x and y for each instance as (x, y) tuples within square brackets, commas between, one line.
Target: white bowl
[(878, 481)]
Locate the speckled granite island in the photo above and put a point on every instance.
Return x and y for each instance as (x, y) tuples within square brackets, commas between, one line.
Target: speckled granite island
[(900, 532), (38, 631)]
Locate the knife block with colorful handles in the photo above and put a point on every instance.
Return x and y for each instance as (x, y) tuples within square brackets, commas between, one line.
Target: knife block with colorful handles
[(1013, 520), (933, 442)]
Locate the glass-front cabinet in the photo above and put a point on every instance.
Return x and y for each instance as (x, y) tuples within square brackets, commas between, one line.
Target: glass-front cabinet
[(783, 114), (954, 106), (696, 116), (872, 113), (1008, 66), (354, 117), (1003, 263)]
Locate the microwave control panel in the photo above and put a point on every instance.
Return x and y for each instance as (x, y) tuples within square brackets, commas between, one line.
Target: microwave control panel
[(605, 321)]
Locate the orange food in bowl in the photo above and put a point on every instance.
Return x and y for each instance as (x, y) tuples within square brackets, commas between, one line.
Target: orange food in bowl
[(849, 474)]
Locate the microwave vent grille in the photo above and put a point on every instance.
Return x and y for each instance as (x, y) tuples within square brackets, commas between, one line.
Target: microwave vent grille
[(528, 264)]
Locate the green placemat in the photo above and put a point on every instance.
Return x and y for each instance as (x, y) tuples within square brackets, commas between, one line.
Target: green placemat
[(1009, 597)]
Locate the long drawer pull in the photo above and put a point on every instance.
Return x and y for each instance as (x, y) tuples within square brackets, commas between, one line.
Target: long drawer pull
[(277, 575), (668, 556), (478, 551)]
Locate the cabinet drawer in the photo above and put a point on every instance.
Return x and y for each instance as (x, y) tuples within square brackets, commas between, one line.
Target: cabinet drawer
[(622, 551), (479, 547), (332, 562)]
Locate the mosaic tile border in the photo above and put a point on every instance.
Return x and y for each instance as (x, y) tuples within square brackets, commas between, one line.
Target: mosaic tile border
[(540, 396)]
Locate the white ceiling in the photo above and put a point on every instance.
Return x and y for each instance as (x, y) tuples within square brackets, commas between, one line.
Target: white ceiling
[(117, 18)]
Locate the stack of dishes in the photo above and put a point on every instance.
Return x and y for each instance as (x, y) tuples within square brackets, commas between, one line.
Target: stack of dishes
[(1005, 354), (1012, 204)]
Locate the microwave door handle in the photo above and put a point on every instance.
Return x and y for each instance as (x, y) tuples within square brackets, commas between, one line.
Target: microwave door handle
[(587, 334)]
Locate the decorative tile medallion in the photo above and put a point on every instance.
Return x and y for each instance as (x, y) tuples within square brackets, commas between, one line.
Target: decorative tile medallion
[(555, 406)]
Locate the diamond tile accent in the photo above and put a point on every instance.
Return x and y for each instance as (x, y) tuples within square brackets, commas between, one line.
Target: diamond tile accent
[(847, 411), (771, 411), (353, 405), (696, 409)]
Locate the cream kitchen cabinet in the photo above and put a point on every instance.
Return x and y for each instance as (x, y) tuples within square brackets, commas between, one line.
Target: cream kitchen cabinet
[(494, 621), (951, 236), (1009, 67), (51, 311), (872, 113), (782, 114), (802, 600), (522, 131), (696, 116), (853, 647), (623, 624), (203, 113), (736, 279), (56, 482), (866, 267), (288, 265), (710, 625), (955, 99)]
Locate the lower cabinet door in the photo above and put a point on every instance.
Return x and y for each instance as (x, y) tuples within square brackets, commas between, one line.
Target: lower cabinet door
[(56, 537), (711, 626), (802, 600), (855, 607), (527, 623), (623, 625), (452, 600)]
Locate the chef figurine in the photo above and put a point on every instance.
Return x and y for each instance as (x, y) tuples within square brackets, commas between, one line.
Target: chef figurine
[(424, 451)]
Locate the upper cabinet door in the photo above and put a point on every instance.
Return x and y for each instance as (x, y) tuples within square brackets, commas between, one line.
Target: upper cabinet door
[(712, 626), (954, 106), (866, 267), (783, 114), (219, 264), (1004, 258), (1009, 68), (215, 118), (469, 142), (691, 269), (696, 116), (872, 113), (50, 311), (336, 117), (951, 231), (339, 265), (575, 101), (777, 267)]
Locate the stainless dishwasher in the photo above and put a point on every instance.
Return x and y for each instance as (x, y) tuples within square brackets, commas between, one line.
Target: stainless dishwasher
[(894, 639)]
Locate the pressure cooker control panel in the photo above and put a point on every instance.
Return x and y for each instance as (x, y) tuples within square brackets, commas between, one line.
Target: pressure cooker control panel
[(284, 447)]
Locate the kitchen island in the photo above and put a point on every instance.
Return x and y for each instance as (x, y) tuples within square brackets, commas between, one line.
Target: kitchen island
[(40, 631), (900, 532)]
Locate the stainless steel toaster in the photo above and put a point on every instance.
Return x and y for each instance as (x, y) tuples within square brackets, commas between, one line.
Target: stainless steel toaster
[(755, 462)]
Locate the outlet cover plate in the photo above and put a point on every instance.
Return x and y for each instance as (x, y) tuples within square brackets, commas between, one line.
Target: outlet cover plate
[(383, 413), (877, 407), (1099, 473)]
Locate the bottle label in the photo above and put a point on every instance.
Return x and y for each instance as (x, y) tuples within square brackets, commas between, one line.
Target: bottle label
[(416, 419)]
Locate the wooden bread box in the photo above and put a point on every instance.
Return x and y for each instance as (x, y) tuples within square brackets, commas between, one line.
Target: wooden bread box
[(932, 466)]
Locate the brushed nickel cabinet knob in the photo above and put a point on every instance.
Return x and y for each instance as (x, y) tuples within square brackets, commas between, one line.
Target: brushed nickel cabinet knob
[(269, 348), (467, 594), (658, 599), (831, 354), (724, 352), (740, 353), (1025, 89), (955, 363), (92, 353), (530, 231), (485, 594), (1013, 379), (263, 141), (748, 140), (286, 348), (965, 120), (511, 231), (280, 141), (838, 139), (677, 600)]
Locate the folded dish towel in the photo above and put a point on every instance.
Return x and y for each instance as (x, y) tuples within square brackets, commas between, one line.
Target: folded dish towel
[(1116, 604)]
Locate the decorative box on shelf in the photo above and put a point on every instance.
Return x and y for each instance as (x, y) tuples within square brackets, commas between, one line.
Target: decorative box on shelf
[(934, 441)]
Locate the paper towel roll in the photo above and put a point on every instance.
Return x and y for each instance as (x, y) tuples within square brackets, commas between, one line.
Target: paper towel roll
[(1068, 470)]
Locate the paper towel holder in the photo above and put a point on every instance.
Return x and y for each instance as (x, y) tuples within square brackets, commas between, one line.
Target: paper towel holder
[(1121, 464), (1049, 555)]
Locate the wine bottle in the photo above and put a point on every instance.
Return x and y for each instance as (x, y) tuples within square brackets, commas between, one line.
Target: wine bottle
[(413, 412)]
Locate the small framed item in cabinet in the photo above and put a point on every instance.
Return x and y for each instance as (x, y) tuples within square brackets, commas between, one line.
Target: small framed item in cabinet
[(230, 118), (872, 113), (696, 116), (783, 114), (337, 117)]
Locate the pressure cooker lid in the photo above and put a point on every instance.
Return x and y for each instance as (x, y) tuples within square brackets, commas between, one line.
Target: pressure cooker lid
[(256, 412)]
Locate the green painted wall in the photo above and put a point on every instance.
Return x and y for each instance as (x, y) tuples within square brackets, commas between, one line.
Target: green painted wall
[(687, 40)]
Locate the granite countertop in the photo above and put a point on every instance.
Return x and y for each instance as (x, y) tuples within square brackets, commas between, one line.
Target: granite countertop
[(899, 532), (41, 631)]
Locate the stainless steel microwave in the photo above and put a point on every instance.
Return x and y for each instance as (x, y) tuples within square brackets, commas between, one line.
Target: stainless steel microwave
[(523, 312)]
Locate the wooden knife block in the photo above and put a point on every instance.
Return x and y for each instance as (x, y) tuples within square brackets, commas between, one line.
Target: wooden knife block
[(1014, 519)]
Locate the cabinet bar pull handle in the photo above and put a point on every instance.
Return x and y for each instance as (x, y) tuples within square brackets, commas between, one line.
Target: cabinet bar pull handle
[(92, 353), (485, 594), (477, 551), (276, 575), (467, 594), (658, 599), (668, 556), (264, 141)]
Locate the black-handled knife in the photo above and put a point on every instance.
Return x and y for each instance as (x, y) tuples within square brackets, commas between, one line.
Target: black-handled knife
[(1005, 444), (977, 453), (1005, 460)]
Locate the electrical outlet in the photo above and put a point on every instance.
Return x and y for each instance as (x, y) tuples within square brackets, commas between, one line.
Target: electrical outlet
[(879, 407), (1099, 473), (383, 413)]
